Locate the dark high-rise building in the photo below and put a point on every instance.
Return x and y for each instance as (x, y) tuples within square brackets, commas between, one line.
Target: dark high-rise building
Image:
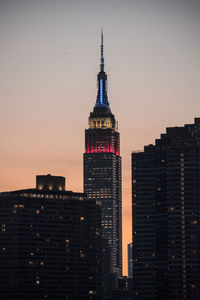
[(102, 169), (50, 243), (166, 216), (130, 260)]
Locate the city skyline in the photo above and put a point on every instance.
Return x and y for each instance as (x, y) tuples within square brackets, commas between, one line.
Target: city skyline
[(48, 82)]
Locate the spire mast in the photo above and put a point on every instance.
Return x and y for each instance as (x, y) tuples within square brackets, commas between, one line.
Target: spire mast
[(102, 99), (102, 58)]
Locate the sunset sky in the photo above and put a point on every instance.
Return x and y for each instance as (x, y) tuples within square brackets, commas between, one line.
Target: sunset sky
[(49, 58)]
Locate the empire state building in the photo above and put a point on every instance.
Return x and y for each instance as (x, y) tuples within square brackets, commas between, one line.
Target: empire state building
[(102, 169)]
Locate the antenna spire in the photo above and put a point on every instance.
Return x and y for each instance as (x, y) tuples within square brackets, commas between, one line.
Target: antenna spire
[(102, 99), (102, 58)]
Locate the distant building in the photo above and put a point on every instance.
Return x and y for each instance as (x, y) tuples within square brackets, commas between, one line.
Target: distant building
[(50, 243), (166, 216), (102, 170), (48, 183), (130, 260)]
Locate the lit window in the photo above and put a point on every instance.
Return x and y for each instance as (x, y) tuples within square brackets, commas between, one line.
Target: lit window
[(193, 286), (92, 292), (18, 206), (82, 254), (194, 222)]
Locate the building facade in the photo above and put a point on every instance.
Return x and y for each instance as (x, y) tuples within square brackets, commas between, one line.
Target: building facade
[(50, 243), (166, 216), (130, 260), (102, 169)]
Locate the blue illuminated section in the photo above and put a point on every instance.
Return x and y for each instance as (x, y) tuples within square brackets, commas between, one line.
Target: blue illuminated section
[(102, 100), (101, 91)]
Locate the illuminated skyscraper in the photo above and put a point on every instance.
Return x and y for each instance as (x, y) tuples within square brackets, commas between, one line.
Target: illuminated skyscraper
[(102, 169)]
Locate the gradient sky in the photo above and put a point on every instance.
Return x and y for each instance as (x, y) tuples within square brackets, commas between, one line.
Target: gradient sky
[(49, 60)]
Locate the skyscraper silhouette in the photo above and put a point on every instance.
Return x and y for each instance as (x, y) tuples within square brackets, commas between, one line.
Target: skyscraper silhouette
[(166, 216), (50, 243), (102, 169)]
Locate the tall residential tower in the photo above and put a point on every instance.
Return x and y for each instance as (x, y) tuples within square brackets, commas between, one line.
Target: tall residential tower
[(102, 169), (166, 216)]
